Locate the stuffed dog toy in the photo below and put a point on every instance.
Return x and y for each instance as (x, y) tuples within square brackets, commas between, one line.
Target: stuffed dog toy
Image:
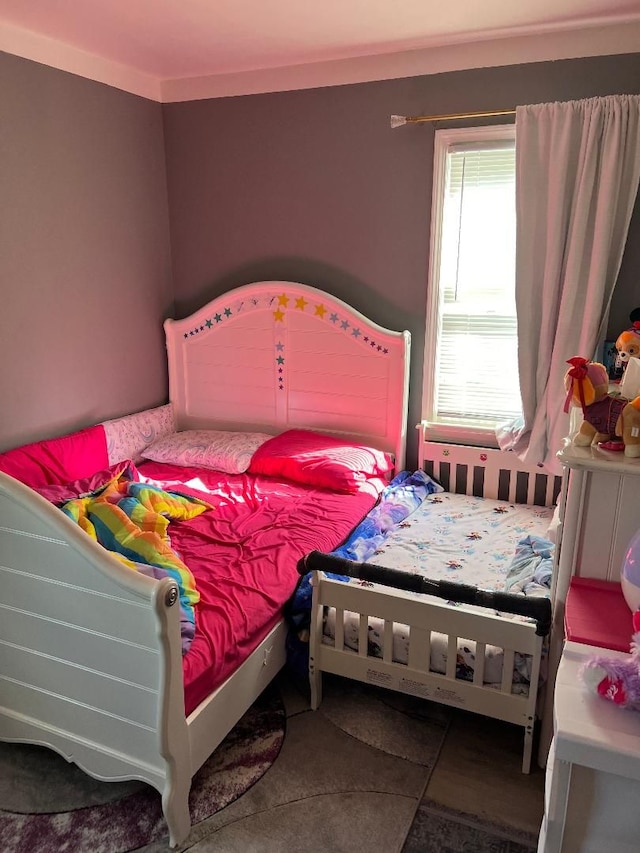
[(604, 416), (628, 343)]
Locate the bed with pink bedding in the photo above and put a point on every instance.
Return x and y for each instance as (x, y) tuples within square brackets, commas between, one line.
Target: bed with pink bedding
[(244, 556), (287, 415)]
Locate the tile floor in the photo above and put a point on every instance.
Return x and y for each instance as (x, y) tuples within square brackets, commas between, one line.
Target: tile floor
[(373, 770)]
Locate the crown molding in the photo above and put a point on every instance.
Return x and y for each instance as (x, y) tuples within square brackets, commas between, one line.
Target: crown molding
[(65, 57), (520, 47)]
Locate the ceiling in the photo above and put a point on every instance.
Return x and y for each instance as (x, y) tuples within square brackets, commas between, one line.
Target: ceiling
[(183, 49)]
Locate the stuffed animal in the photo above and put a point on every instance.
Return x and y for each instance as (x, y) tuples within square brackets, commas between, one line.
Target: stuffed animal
[(617, 679), (604, 416), (628, 343)]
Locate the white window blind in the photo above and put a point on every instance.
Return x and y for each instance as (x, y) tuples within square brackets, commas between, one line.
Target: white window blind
[(471, 346)]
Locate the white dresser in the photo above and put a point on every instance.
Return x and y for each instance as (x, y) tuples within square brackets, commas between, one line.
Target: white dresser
[(592, 791), (599, 512)]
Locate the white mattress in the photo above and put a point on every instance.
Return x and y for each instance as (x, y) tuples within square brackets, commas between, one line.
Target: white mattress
[(456, 538)]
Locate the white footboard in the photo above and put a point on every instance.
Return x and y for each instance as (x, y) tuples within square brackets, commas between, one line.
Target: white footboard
[(90, 654), (423, 617)]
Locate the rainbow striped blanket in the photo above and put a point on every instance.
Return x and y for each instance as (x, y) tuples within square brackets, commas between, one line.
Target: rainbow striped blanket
[(131, 520)]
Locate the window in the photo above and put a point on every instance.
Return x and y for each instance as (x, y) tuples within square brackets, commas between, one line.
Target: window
[(471, 346)]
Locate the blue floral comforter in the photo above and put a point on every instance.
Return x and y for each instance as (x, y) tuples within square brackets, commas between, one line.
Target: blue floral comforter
[(399, 499)]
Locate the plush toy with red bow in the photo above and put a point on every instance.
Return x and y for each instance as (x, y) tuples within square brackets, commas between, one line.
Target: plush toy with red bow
[(605, 417), (617, 679)]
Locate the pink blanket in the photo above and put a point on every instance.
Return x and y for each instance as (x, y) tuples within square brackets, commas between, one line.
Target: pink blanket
[(244, 557)]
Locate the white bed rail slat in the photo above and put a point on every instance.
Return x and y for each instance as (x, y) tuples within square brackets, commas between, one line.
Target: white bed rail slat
[(363, 635), (419, 648), (478, 667), (507, 670), (387, 641), (340, 628), (452, 655)]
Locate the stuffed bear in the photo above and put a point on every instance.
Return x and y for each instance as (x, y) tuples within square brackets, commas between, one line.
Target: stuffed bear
[(604, 416)]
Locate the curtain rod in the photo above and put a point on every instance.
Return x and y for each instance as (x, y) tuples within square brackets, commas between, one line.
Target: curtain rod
[(398, 121)]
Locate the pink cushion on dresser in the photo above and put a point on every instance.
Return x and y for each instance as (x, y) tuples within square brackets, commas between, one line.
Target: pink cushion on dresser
[(55, 461)]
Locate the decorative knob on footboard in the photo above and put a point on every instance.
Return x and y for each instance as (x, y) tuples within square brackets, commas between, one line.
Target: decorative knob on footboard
[(171, 596)]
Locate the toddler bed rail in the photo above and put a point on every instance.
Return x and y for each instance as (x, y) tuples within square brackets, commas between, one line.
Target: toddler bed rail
[(538, 609)]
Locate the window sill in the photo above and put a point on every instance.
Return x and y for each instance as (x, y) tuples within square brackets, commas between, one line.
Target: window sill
[(477, 437)]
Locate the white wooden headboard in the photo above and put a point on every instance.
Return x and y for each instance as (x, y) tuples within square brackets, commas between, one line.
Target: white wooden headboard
[(275, 355)]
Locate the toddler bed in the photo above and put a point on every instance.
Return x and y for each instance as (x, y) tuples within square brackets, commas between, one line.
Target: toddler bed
[(496, 517), (91, 660)]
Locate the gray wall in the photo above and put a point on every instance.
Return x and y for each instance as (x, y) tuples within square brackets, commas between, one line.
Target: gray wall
[(85, 270), (314, 186)]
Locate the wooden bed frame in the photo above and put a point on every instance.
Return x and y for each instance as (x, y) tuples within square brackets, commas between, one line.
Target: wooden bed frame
[(468, 470), (90, 652)]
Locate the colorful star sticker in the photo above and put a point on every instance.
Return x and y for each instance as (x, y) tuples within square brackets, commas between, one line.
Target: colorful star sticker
[(280, 360), (279, 346), (333, 318), (278, 316), (227, 312), (320, 311), (209, 324), (218, 318), (283, 300), (301, 303)]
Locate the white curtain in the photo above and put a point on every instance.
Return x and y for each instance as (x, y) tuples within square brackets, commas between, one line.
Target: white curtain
[(577, 172)]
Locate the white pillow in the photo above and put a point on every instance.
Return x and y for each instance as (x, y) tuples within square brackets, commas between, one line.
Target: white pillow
[(229, 452), (128, 436)]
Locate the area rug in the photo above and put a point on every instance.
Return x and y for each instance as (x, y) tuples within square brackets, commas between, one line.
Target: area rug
[(48, 805), (437, 829)]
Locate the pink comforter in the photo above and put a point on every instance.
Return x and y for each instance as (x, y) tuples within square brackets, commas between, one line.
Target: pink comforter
[(244, 555)]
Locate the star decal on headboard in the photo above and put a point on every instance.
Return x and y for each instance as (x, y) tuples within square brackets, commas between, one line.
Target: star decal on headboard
[(280, 363), (279, 304)]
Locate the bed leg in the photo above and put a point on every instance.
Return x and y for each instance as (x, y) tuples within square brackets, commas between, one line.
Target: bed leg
[(315, 683), (528, 748), (175, 807)]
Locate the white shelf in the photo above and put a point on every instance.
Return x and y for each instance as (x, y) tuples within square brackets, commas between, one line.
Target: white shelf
[(595, 459)]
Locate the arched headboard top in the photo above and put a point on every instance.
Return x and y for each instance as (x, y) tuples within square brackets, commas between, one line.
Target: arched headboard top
[(276, 355)]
